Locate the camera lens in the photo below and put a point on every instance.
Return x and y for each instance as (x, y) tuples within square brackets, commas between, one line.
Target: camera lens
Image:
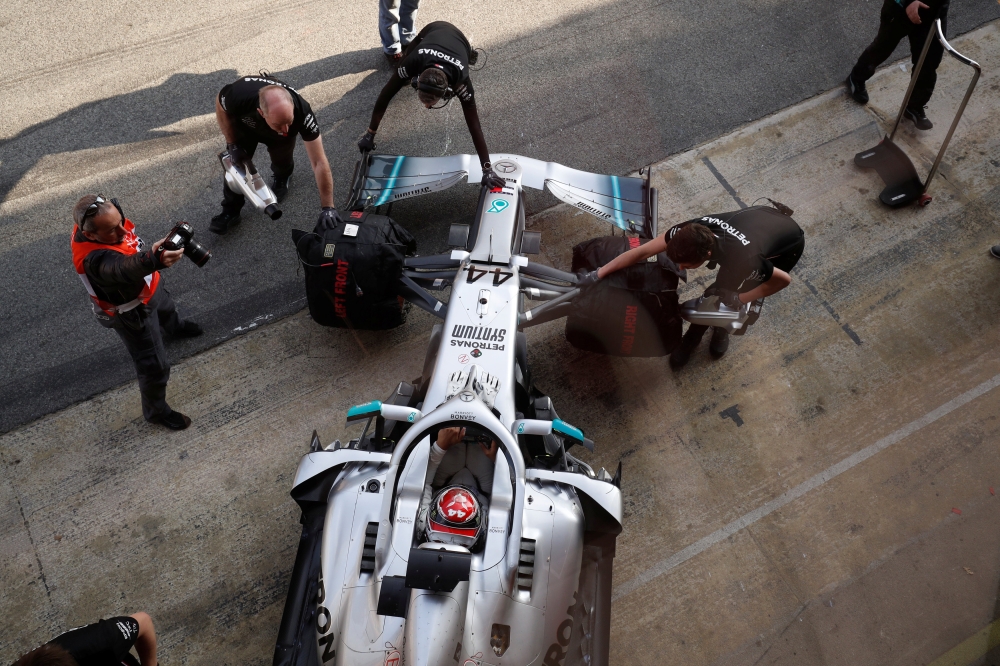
[(197, 253)]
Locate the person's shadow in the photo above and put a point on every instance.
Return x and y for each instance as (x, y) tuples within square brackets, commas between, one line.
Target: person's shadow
[(134, 117)]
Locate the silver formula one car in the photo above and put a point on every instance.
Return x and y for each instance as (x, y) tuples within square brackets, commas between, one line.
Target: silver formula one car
[(410, 558)]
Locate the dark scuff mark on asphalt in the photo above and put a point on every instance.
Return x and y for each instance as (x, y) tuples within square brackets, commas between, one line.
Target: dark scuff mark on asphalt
[(833, 313), (723, 181), (733, 413)]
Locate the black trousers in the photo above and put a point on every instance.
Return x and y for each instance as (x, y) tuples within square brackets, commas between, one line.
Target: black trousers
[(141, 330), (893, 26), (282, 165), (786, 260)]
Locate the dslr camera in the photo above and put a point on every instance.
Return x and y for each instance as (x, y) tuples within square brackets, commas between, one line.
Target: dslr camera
[(181, 237)]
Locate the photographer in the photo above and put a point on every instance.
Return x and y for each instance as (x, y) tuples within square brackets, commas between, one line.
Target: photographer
[(104, 643), (123, 280), (436, 64), (262, 109), (755, 249)]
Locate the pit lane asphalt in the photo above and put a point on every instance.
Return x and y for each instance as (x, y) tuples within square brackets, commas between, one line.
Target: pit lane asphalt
[(116, 97)]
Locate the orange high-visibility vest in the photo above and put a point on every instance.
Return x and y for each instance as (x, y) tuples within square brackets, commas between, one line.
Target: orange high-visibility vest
[(127, 246)]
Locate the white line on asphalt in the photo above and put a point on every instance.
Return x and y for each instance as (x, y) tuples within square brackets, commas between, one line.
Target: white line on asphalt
[(678, 558)]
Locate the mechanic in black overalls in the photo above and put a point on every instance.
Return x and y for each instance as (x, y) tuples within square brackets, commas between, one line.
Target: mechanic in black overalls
[(104, 643), (436, 63), (898, 19), (262, 109), (755, 248)]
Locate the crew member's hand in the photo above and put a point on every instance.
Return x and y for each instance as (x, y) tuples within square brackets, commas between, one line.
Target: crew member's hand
[(448, 437), (490, 451), (584, 279), (729, 298), (168, 257), (913, 11), (490, 178), (367, 142), (237, 154), (329, 217)]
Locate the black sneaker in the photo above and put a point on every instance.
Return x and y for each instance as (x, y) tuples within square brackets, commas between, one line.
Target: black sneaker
[(188, 329), (995, 251), (919, 118), (720, 342), (222, 222), (394, 58), (858, 91), (280, 187), (173, 420)]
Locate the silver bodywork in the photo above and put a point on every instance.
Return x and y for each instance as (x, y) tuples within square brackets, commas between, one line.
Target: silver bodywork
[(708, 311), (247, 181), (527, 599)]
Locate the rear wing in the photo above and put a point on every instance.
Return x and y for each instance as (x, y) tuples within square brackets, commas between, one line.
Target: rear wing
[(626, 202)]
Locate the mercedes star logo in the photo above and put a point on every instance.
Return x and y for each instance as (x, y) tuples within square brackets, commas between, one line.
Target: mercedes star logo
[(505, 167)]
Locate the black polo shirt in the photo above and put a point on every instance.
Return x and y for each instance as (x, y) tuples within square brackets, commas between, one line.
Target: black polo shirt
[(750, 243), (445, 47), (240, 102)]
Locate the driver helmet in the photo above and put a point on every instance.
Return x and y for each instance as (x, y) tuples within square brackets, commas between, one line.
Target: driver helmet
[(456, 517)]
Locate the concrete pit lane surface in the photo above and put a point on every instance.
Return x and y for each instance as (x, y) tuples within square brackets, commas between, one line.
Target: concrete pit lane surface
[(824, 494)]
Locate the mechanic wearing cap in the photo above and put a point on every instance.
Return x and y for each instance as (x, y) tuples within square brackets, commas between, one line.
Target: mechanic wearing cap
[(904, 18), (467, 464), (104, 643), (755, 249), (436, 63), (262, 109), (123, 280)]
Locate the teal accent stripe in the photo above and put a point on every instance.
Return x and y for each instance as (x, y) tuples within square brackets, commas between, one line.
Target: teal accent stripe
[(616, 190), (563, 428), (367, 409), (387, 192)]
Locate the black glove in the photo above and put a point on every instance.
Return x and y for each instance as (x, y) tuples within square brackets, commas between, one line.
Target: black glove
[(329, 217), (366, 143), (490, 178), (729, 298), (585, 279), (237, 154)]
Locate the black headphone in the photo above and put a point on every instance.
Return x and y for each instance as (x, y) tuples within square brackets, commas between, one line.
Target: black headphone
[(444, 92)]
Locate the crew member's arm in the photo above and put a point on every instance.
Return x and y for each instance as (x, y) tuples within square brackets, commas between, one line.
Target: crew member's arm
[(225, 124), (321, 169), (115, 269), (389, 91), (633, 256), (475, 129), (145, 643), (779, 280)]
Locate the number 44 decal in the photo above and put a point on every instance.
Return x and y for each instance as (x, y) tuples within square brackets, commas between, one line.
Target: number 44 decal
[(499, 275)]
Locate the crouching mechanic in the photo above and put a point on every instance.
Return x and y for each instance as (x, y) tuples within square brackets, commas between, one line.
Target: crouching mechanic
[(460, 481), (755, 249), (261, 109), (436, 63), (104, 643), (123, 279)]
